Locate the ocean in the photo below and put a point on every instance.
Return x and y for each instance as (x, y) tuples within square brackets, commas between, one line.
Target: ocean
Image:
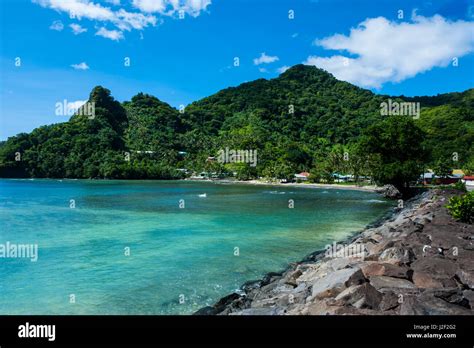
[(159, 247)]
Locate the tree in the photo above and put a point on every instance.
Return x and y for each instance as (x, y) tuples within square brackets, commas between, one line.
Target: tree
[(395, 148), (443, 168), (303, 119), (468, 168), (322, 171)]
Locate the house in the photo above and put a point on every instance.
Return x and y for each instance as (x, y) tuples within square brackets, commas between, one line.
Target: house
[(200, 176), (468, 180), (342, 178), (147, 151), (458, 173), (430, 178), (303, 176)]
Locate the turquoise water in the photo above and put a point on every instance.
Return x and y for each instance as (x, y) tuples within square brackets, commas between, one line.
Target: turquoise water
[(176, 253)]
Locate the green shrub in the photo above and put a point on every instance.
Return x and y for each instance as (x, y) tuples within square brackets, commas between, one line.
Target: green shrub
[(462, 207), (460, 186)]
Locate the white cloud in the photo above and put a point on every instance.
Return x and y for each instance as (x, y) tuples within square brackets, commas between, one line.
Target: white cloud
[(382, 50), (124, 20), (262, 70), (57, 25), (150, 5), (264, 59), (130, 20), (80, 66), (171, 7), (77, 29), (114, 35), (79, 9), (282, 69)]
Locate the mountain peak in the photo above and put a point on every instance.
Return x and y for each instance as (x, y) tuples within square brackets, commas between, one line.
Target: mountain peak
[(100, 94), (299, 71)]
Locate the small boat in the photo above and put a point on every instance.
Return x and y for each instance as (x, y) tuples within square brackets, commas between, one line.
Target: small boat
[(203, 195)]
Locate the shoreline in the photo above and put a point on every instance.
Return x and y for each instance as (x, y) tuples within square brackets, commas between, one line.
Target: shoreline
[(405, 265), (369, 188)]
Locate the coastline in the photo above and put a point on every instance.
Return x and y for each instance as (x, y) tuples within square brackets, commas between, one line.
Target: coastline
[(417, 261), (369, 188)]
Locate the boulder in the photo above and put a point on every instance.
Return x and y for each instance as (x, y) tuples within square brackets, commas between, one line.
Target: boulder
[(206, 311), (335, 282), (409, 227), (321, 307), (469, 296), (251, 285), (466, 278), (280, 300), (424, 281), (338, 263), (444, 235), (397, 255), (360, 296), (424, 219), (452, 295), (383, 282), (389, 191), (437, 267), (390, 301), (299, 294), (227, 304), (431, 305), (259, 311), (298, 309), (385, 269), (377, 248), (357, 311), (291, 276), (312, 272)]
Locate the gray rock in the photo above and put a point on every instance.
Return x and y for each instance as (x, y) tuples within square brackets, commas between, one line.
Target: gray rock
[(430, 305), (437, 267), (292, 276), (385, 269), (358, 311), (466, 278), (322, 307), (335, 282), (259, 311), (382, 282), (390, 301), (389, 191), (469, 296), (397, 255), (360, 296), (452, 295), (426, 281)]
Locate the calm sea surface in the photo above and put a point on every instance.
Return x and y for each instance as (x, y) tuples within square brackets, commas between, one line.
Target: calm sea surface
[(186, 254)]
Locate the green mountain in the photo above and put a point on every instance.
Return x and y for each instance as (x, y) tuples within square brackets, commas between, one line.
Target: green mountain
[(302, 120)]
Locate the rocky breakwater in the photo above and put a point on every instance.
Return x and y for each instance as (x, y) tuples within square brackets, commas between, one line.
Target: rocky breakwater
[(420, 261)]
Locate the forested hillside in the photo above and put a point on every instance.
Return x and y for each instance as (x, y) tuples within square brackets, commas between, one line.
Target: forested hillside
[(303, 120)]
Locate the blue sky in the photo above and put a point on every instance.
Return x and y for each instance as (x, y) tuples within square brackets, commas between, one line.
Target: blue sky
[(180, 60)]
